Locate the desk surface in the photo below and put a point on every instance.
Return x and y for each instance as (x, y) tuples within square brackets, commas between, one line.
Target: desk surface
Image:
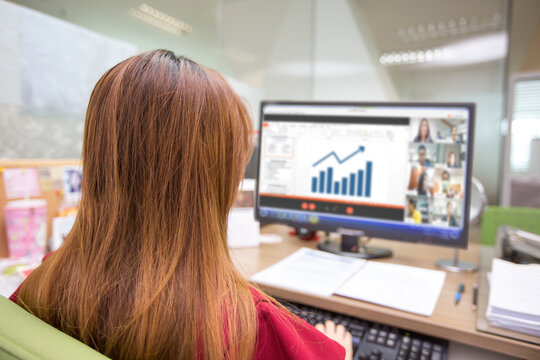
[(456, 323)]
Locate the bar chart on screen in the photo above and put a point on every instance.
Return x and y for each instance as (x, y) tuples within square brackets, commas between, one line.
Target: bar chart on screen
[(354, 182), (353, 164)]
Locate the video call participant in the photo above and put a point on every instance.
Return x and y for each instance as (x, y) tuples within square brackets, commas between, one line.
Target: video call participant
[(422, 156), (449, 217), (423, 187), (453, 134), (423, 135), (420, 180), (145, 273), (414, 214), (452, 160), (445, 184)]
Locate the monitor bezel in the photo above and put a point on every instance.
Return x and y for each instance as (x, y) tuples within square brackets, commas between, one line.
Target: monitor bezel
[(378, 230)]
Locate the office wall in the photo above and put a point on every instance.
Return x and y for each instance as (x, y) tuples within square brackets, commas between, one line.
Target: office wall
[(524, 36), (345, 59), (48, 68), (268, 47)]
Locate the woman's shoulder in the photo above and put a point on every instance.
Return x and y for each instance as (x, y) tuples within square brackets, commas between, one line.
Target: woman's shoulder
[(15, 296), (284, 336)]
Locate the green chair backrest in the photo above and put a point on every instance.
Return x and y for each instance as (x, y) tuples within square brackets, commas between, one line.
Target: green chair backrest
[(527, 219), (25, 337)]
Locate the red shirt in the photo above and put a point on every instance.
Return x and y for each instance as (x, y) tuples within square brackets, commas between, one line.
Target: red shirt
[(283, 337)]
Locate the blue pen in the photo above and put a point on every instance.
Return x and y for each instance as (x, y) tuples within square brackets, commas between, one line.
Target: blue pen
[(457, 297)]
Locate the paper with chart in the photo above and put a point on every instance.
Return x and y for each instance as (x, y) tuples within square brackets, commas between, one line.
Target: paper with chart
[(310, 271), (401, 287)]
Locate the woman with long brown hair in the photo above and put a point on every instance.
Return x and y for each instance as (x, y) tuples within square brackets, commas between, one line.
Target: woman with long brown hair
[(145, 272)]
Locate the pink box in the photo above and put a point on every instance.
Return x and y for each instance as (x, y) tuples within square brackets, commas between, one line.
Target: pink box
[(26, 224)]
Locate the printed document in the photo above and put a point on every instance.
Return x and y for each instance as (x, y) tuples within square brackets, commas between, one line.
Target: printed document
[(401, 287), (310, 271)]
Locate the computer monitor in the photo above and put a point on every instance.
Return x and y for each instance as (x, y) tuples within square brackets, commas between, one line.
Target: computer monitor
[(398, 171)]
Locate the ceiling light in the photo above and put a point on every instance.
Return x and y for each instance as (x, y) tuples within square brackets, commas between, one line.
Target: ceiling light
[(473, 50), (405, 57), (451, 27), (160, 19)]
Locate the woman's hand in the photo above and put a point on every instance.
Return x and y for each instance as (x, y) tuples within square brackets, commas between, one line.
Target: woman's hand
[(339, 335)]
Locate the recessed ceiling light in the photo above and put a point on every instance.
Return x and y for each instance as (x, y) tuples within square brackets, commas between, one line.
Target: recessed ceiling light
[(478, 49), (451, 27)]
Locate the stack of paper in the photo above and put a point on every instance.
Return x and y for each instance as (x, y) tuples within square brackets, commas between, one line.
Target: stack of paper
[(310, 271), (514, 298)]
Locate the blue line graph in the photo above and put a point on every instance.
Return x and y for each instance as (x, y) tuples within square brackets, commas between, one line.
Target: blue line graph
[(340, 161)]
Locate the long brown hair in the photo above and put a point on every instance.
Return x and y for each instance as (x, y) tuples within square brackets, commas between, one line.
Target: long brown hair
[(145, 272)]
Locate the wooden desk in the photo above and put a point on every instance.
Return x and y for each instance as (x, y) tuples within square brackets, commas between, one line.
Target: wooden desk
[(456, 323)]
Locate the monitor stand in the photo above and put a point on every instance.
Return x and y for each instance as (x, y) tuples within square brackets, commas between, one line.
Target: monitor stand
[(456, 265), (353, 243)]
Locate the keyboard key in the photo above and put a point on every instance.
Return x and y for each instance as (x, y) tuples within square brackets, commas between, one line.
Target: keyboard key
[(383, 333), (390, 343), (363, 356), (424, 357), (415, 348), (416, 342), (357, 326), (373, 331), (426, 352), (371, 338), (374, 357), (380, 340), (392, 336), (436, 356), (426, 345), (437, 348), (406, 340), (356, 341), (357, 333)]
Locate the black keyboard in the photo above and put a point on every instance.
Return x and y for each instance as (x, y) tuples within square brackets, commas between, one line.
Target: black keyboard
[(373, 341)]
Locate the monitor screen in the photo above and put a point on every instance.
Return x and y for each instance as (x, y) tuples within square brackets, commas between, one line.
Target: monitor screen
[(394, 170)]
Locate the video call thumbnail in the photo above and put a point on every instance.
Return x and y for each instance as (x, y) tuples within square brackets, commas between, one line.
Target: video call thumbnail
[(437, 153)]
